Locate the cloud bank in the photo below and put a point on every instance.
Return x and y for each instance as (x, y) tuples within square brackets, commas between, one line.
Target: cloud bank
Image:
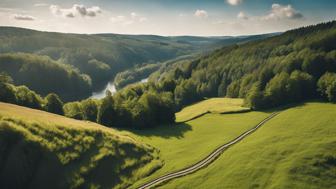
[(23, 17), (282, 12), (234, 2), (201, 14), (75, 10), (242, 15)]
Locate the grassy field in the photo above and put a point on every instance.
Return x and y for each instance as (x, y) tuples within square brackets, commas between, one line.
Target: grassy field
[(213, 105), (296, 149), (185, 144), (43, 150)]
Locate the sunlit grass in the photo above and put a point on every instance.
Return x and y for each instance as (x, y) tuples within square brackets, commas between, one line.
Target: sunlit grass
[(296, 149), (42, 149), (187, 143), (213, 105)]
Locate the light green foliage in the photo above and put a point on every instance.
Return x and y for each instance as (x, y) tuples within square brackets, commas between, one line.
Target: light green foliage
[(43, 150), (327, 86), (296, 149), (213, 105)]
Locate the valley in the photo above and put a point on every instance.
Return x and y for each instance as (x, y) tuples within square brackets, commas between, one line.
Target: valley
[(167, 94)]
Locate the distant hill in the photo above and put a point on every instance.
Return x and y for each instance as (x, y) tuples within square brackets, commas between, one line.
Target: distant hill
[(101, 56)]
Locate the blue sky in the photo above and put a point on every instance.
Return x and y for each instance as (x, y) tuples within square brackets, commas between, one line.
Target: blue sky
[(166, 17)]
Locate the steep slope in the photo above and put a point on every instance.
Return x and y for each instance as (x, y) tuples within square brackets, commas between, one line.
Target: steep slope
[(43, 150), (296, 149)]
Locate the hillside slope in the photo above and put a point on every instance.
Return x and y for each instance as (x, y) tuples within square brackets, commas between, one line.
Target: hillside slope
[(43, 150), (267, 73), (101, 56), (296, 149)]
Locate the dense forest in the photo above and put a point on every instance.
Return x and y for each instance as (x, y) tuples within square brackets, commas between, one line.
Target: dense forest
[(296, 65), (42, 74), (91, 60)]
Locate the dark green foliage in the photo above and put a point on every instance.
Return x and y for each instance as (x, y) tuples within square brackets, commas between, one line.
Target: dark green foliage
[(73, 110), (83, 110), (44, 75), (327, 86), (106, 113), (267, 73), (137, 106), (255, 97), (7, 93), (28, 98), (133, 75), (54, 104), (90, 109)]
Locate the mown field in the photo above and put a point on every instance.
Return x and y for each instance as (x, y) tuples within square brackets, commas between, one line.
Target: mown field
[(184, 144), (296, 149), (44, 150), (213, 105)]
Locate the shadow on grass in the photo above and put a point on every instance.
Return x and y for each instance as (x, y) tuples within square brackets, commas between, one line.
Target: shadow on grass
[(165, 131), (298, 105)]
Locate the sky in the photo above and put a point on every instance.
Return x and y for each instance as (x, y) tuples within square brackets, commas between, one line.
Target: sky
[(166, 17)]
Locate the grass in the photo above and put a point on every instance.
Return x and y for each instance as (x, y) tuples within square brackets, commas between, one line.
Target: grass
[(186, 143), (296, 149), (43, 150), (213, 105)]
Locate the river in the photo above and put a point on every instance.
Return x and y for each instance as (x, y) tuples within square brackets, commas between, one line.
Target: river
[(111, 87)]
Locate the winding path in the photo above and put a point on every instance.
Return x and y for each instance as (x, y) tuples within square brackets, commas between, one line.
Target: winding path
[(207, 160)]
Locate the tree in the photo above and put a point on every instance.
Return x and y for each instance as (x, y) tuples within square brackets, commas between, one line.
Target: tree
[(54, 104), (300, 86), (73, 110), (106, 112), (7, 93), (90, 109), (28, 98), (326, 86), (255, 97), (276, 89)]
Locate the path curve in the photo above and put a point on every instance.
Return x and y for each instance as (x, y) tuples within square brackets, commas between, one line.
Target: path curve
[(207, 160)]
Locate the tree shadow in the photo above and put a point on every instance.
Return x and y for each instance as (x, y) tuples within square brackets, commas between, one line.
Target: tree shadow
[(174, 130), (298, 105)]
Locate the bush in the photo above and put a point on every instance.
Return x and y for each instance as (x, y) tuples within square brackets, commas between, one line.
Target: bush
[(106, 112), (327, 86), (54, 104)]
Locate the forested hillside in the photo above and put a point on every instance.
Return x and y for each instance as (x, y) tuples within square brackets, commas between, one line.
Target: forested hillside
[(99, 56), (297, 65)]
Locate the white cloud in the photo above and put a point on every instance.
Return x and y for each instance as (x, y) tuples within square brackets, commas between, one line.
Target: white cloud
[(128, 20), (282, 12), (234, 2), (242, 15), (75, 10), (201, 14), (23, 17), (40, 5)]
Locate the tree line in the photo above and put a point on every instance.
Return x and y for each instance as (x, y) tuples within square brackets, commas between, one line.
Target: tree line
[(137, 106), (297, 65)]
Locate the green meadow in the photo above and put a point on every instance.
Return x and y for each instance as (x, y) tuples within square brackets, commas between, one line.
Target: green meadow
[(212, 105), (296, 149), (186, 143), (44, 150)]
